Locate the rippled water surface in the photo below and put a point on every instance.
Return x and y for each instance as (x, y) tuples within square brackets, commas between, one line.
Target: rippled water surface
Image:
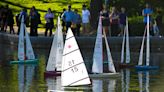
[(30, 78)]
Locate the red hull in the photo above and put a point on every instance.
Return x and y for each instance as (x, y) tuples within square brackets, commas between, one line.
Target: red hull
[(52, 73), (126, 66)]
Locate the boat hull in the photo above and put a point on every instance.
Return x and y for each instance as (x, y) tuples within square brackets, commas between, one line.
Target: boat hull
[(31, 61), (126, 66), (52, 73), (105, 75), (142, 68)]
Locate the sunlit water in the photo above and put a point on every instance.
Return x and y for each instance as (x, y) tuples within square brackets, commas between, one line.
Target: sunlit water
[(30, 78)]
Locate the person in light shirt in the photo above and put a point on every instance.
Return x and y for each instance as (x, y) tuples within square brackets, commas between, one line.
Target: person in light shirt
[(85, 19)]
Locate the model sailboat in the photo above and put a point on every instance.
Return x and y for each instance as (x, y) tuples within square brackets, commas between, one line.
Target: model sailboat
[(97, 67), (55, 58), (74, 72), (126, 63), (29, 57), (140, 65)]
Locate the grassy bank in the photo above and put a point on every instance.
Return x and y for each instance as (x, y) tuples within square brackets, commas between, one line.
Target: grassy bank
[(42, 6)]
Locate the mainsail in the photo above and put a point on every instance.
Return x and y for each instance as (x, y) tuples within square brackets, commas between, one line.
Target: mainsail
[(110, 60), (21, 52), (97, 66), (55, 57), (125, 36), (74, 71)]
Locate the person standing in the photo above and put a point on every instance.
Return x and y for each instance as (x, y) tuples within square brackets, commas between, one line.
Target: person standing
[(147, 11), (122, 21), (114, 20), (34, 21), (68, 17), (4, 18), (158, 23), (22, 13), (105, 20), (76, 23), (85, 19), (10, 21), (49, 17), (63, 22)]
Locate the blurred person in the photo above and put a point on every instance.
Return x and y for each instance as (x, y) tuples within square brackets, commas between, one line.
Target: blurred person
[(147, 11), (4, 18), (68, 17), (76, 23), (34, 21), (104, 13), (49, 17), (122, 21), (22, 13), (63, 22), (114, 20), (10, 21), (85, 19)]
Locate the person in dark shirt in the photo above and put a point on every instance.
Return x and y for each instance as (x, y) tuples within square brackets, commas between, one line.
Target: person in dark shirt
[(49, 17), (122, 21), (114, 20), (34, 21), (22, 13), (10, 21), (105, 20), (4, 18)]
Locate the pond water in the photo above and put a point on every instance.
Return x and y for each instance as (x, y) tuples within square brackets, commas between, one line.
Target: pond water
[(30, 78)]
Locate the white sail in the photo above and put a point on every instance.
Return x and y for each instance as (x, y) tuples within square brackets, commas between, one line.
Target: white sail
[(125, 36), (127, 43), (60, 46), (29, 49), (74, 71), (51, 64), (21, 52), (97, 86), (148, 43), (123, 46), (97, 66), (111, 66), (140, 62), (55, 57)]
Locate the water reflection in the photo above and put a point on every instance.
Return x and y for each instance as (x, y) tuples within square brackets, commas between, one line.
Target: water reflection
[(25, 76), (143, 77), (53, 83), (125, 79), (108, 85)]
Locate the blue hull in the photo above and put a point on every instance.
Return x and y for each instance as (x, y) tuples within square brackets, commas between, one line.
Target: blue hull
[(33, 61), (142, 68)]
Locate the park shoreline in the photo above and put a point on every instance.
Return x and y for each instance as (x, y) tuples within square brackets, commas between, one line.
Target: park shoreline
[(87, 42)]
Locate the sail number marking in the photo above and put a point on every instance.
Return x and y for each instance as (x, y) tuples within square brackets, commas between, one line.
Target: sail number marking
[(74, 68)]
